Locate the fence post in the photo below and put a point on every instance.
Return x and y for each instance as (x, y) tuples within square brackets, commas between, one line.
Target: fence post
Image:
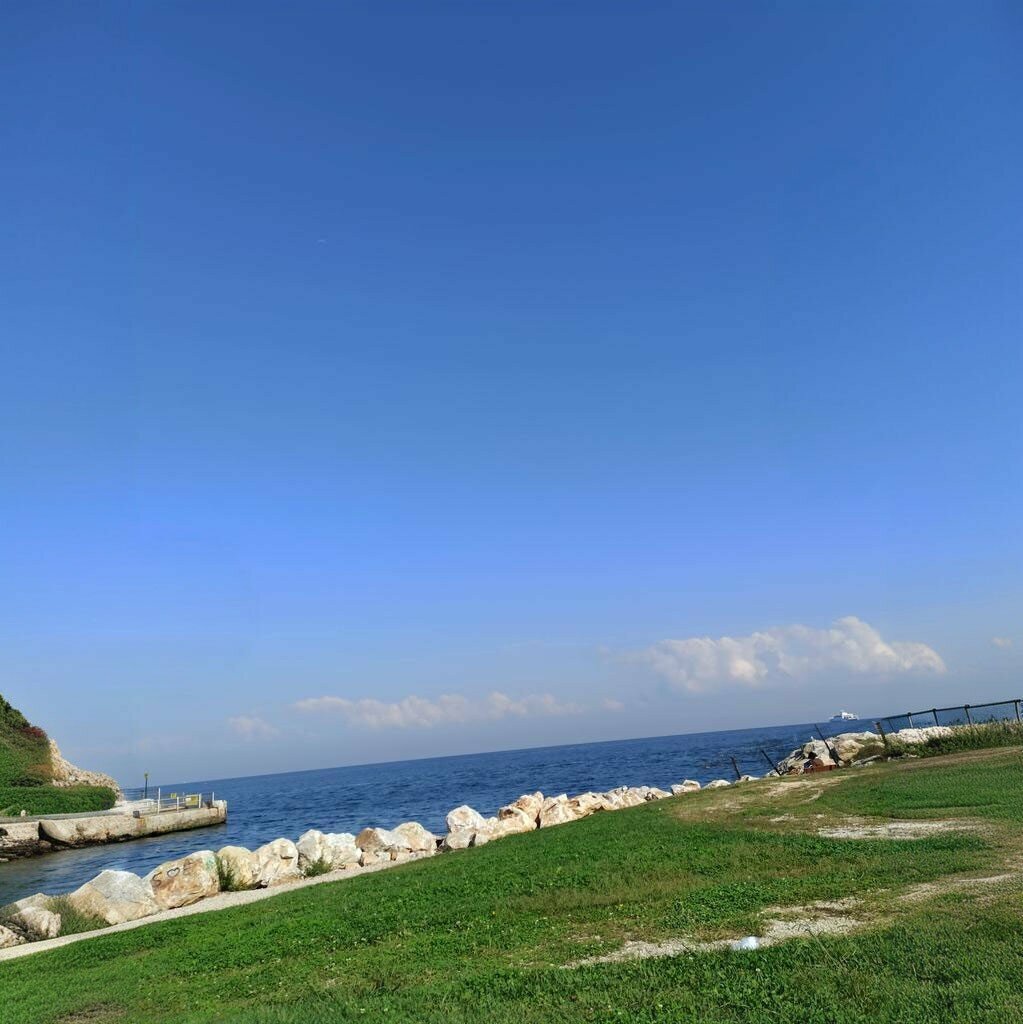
[(884, 738), (738, 774), (909, 715), (934, 711), (159, 802), (966, 708), (776, 767), (1018, 719)]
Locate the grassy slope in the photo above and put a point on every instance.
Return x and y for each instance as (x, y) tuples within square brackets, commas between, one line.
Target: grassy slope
[(25, 771), (481, 935)]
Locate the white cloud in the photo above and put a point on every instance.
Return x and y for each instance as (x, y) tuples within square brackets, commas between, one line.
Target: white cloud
[(1002, 641), (796, 651), (251, 727), (610, 704), (425, 713)]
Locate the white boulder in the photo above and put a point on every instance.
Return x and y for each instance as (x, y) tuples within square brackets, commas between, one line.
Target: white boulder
[(241, 867), (460, 838), (36, 923), (278, 863), (686, 786), (115, 896), (9, 937), (718, 784), (464, 817), (557, 810), (182, 882), (417, 839)]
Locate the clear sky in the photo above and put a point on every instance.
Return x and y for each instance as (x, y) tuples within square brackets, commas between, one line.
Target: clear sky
[(479, 375)]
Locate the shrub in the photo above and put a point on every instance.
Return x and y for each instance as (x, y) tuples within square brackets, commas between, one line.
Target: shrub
[(40, 799), (72, 920), (34, 732), (228, 881), (318, 867)]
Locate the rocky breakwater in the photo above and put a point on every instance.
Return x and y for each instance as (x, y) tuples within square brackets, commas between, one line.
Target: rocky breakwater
[(115, 897), (853, 749)]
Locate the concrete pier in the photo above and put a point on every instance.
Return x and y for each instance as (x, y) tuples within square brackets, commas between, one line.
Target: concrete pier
[(28, 837)]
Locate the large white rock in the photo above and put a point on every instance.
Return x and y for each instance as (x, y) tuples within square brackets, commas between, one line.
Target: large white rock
[(464, 817), (182, 882), (556, 810), (718, 784), (514, 821), (460, 839), (417, 839), (343, 852), (653, 793), (849, 744), (241, 866), (115, 896), (36, 923), (313, 849), (586, 803), (686, 786), (8, 938), (278, 863), (528, 804)]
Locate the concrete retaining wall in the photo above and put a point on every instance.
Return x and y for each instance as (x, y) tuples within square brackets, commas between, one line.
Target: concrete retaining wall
[(30, 837)]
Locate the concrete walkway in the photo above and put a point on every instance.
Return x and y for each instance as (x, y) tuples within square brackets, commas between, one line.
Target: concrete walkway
[(220, 902)]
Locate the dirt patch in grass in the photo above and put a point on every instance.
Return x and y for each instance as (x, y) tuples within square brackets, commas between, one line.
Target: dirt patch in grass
[(858, 829), (829, 917), (93, 1015)]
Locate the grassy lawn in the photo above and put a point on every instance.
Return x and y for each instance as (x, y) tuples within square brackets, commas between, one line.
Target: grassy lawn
[(483, 935)]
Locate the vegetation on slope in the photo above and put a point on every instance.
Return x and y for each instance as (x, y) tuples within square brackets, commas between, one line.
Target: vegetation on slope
[(26, 771), (982, 736), (486, 934)]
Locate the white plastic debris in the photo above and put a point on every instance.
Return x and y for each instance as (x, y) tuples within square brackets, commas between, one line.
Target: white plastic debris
[(749, 942)]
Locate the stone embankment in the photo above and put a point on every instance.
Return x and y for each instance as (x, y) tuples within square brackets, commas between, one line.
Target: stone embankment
[(31, 836), (115, 897)]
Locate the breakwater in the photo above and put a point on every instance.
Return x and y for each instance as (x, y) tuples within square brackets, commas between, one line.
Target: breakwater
[(30, 837)]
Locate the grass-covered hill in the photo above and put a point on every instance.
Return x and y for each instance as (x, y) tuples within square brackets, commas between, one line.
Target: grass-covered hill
[(26, 772), (897, 887)]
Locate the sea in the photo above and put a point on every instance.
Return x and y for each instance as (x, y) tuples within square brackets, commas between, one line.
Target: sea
[(348, 799)]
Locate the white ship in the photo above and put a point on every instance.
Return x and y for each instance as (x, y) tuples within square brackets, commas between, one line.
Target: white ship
[(844, 716)]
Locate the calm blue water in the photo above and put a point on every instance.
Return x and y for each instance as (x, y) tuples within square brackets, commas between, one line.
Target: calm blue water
[(264, 807)]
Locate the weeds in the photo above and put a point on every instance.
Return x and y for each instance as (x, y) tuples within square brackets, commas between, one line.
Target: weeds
[(966, 737), (227, 876), (317, 867)]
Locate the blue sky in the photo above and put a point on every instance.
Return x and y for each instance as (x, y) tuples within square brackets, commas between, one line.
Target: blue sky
[(473, 376)]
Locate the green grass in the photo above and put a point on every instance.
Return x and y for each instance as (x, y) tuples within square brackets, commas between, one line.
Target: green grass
[(484, 934), (54, 800)]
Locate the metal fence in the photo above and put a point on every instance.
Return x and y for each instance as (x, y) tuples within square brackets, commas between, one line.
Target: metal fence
[(767, 756), (960, 714), (172, 802)]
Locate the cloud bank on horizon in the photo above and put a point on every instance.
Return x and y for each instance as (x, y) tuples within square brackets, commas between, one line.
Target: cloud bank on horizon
[(448, 708), (702, 664)]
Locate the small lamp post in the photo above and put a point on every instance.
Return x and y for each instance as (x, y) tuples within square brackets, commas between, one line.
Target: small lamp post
[(145, 794)]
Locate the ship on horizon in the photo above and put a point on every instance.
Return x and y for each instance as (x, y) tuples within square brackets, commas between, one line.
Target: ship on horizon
[(844, 716)]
